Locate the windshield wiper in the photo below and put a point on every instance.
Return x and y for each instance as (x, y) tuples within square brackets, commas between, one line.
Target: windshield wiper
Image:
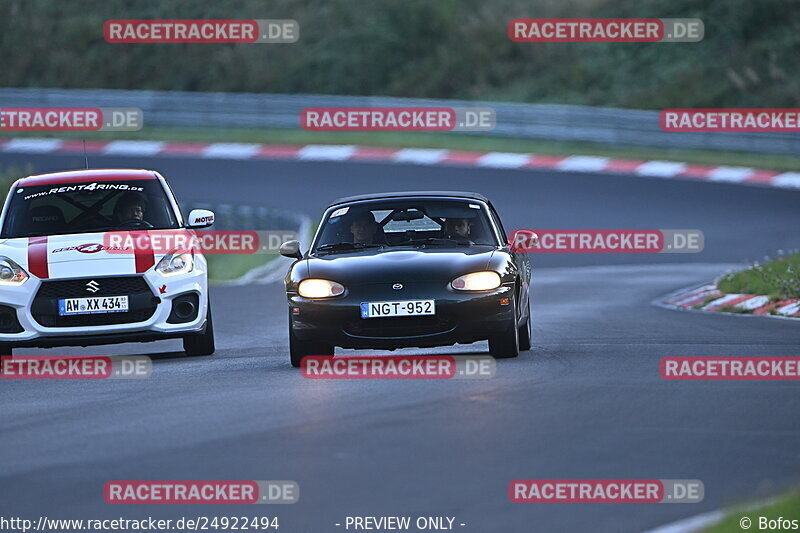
[(346, 246), (437, 241)]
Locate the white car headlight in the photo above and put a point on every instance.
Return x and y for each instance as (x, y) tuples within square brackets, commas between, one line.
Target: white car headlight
[(11, 273), (172, 264), (319, 288), (477, 281)]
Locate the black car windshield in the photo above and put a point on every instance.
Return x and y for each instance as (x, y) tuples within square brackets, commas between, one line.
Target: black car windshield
[(406, 222), (85, 207)]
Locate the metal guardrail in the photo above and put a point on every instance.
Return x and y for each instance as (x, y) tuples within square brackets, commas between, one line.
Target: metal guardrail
[(525, 121)]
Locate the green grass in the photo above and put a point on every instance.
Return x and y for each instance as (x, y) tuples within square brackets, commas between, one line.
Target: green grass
[(227, 267), (787, 507), (448, 141), (778, 279)]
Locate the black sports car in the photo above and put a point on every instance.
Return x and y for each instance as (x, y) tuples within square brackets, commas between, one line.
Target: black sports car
[(408, 269)]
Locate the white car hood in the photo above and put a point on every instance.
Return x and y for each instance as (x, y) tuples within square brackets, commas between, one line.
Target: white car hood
[(78, 255)]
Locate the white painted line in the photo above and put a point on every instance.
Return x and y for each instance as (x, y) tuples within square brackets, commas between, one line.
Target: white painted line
[(661, 169), (420, 156), (583, 163), (722, 301), (732, 174), (691, 524), (703, 521), (231, 150), (788, 180), (503, 160), (32, 145), (753, 303), (143, 148), (789, 310), (322, 152)]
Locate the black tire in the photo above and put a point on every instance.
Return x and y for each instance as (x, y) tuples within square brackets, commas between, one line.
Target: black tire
[(299, 349), (525, 336), (6, 348), (505, 345), (201, 343)]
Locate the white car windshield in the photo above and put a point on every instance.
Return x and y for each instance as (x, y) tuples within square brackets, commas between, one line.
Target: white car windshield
[(86, 207)]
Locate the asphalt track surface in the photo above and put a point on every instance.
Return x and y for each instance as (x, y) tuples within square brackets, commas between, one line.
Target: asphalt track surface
[(586, 402)]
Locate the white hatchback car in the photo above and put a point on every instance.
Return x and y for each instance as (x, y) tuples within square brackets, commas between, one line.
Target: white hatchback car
[(63, 284)]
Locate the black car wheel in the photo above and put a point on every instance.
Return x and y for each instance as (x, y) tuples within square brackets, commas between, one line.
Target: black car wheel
[(201, 343), (299, 349), (525, 335), (506, 344)]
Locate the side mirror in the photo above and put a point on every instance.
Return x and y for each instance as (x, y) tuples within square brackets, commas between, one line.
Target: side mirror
[(200, 218), (291, 249)]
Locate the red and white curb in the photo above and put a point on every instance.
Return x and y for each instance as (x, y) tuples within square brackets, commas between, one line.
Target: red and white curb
[(417, 156), (710, 298)]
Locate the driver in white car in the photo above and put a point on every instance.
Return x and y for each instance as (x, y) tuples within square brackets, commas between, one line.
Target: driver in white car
[(130, 207)]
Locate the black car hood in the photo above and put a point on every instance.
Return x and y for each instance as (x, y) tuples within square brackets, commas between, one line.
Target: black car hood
[(378, 266)]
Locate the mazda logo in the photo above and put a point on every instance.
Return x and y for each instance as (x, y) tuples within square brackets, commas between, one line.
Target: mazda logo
[(397, 286), (93, 286)]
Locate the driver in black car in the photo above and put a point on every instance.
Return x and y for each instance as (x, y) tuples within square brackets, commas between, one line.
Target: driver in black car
[(457, 229), (364, 228), (130, 209)]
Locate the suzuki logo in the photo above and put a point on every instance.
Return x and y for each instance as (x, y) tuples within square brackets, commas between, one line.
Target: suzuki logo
[(397, 286), (93, 286)]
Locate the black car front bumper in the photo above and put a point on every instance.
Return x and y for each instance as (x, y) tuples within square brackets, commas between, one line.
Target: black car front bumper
[(461, 317)]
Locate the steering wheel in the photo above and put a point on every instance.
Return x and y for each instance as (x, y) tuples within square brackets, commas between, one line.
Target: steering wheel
[(135, 222)]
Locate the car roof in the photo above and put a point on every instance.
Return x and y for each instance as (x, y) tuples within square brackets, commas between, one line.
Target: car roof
[(410, 194), (115, 174)]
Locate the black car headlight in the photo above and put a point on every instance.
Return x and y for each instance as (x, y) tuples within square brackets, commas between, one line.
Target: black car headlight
[(11, 273), (319, 288), (477, 281)]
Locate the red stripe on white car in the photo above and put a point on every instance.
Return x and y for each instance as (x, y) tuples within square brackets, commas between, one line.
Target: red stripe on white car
[(37, 257), (143, 255)]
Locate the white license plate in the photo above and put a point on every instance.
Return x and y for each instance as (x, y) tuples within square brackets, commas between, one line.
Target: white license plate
[(400, 308), (88, 306)]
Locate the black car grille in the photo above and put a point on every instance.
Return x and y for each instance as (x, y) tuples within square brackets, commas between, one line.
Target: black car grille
[(398, 327), (142, 303)]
